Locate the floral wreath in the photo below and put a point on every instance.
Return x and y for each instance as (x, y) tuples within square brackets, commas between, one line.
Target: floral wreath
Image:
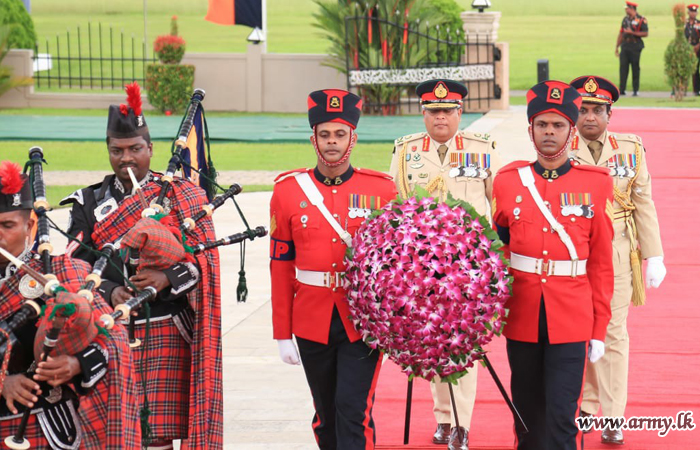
[(427, 285)]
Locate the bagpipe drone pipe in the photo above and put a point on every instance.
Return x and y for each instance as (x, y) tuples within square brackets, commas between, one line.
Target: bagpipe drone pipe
[(196, 162)]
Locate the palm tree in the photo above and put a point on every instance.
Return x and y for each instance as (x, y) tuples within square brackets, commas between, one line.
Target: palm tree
[(383, 34)]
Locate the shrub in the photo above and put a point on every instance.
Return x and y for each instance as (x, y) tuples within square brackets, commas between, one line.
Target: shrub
[(23, 34), (170, 48), (169, 86), (679, 59)]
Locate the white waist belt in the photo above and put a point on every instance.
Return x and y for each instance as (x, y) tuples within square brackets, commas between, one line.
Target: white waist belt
[(321, 279), (540, 266)]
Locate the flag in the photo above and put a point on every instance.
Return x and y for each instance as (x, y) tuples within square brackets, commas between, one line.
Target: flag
[(235, 12), (196, 156)]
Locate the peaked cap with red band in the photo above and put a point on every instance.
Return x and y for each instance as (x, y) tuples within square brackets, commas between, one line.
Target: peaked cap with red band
[(632, 5), (596, 89), (334, 105), (127, 121), (553, 96), (15, 191), (441, 94), (693, 7)]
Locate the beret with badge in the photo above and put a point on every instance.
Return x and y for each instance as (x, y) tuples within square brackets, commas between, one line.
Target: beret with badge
[(553, 96), (127, 121), (334, 105), (15, 191)]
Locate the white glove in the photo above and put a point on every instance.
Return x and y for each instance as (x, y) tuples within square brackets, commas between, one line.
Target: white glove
[(656, 271), (288, 351), (596, 350)]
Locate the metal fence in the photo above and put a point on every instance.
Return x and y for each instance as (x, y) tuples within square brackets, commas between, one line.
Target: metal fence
[(386, 60), (96, 58)]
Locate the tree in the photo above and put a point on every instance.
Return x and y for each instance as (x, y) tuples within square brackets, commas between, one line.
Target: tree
[(7, 81), (13, 12), (381, 34), (679, 59)]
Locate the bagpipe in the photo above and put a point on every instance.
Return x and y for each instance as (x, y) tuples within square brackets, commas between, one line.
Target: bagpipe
[(62, 313)]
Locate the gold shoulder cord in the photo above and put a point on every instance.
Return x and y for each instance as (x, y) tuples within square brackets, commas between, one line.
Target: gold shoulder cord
[(403, 182), (438, 183), (624, 199)]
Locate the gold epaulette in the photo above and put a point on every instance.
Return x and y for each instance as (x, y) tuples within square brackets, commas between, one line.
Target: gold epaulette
[(409, 138), (628, 138)]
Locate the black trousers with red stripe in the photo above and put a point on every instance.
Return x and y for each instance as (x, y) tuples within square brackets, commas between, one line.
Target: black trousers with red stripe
[(546, 383), (342, 376)]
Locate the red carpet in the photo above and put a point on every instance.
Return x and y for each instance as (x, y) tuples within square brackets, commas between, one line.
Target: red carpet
[(664, 334)]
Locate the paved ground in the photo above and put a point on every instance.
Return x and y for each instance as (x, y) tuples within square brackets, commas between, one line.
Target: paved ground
[(267, 404)]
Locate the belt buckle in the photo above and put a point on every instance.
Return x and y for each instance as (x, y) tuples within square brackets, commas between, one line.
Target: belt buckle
[(539, 265), (574, 268), (550, 267)]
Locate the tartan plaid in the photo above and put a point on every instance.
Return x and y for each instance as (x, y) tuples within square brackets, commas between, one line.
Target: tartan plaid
[(33, 432), (167, 374), (158, 248), (206, 402), (78, 331), (107, 422), (109, 413)]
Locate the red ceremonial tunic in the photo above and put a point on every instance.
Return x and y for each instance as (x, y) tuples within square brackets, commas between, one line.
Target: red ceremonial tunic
[(577, 308), (301, 238)]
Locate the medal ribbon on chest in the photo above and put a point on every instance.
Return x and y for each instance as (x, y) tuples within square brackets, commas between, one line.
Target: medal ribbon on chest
[(470, 165), (623, 165), (576, 204), (362, 205)]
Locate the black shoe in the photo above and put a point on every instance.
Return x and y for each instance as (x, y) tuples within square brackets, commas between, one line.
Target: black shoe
[(623, 93), (589, 428), (614, 437), (442, 434), (459, 439), (634, 94)]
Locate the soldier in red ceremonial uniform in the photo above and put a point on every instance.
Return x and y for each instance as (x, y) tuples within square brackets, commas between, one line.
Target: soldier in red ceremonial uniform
[(313, 215), (555, 217)]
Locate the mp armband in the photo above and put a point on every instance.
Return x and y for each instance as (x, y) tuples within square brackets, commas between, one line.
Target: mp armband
[(282, 250)]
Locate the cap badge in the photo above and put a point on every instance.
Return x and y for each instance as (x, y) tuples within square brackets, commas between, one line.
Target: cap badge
[(139, 120), (591, 86), (16, 199), (555, 94), (440, 91), (335, 102)]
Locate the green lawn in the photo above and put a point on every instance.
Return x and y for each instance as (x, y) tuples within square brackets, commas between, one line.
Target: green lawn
[(577, 37), (62, 155)]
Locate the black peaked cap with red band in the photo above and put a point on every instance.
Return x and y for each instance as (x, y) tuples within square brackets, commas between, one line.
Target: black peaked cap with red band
[(127, 121), (595, 89), (334, 105), (693, 7), (441, 94), (553, 96), (15, 191)]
